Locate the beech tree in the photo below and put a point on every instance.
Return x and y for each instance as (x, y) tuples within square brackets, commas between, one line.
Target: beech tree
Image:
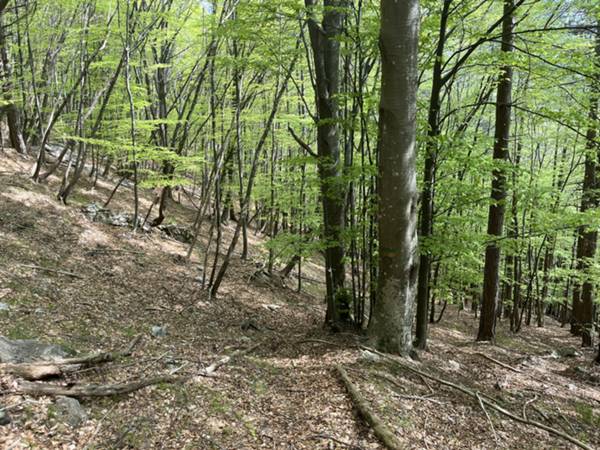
[(391, 326), (491, 271), (324, 40)]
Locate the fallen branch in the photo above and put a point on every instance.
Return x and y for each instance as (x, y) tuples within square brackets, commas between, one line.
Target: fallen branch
[(45, 369), (99, 358), (320, 341), (94, 390), (487, 415), (383, 433), (485, 400), (210, 370), (35, 371), (48, 269), (500, 363)]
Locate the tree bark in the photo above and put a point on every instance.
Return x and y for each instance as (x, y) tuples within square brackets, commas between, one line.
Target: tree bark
[(583, 301), (13, 116), (487, 320), (391, 322), (325, 44), (433, 133)]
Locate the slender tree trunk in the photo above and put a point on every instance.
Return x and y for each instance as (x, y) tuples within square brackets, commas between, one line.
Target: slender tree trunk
[(325, 44), (428, 180), (12, 112), (391, 323), (487, 320)]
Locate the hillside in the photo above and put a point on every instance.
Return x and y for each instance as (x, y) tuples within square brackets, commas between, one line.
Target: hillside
[(95, 287)]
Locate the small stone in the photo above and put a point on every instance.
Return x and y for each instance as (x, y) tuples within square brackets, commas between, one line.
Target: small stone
[(70, 411), (4, 417), (368, 356), (4, 306), (453, 365), (568, 352), (159, 331)]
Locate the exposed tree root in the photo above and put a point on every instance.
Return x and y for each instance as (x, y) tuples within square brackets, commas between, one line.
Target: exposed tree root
[(500, 363), (383, 433), (483, 400)]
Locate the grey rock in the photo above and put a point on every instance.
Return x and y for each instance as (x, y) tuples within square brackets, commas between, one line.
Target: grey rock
[(159, 331), (26, 350), (4, 417), (568, 352), (368, 356), (97, 213), (70, 411), (178, 233), (4, 306)]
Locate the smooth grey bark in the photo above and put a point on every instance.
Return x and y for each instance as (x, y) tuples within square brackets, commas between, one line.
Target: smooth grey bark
[(391, 322)]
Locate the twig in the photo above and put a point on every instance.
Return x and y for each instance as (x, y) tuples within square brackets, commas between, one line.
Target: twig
[(114, 250), (339, 441), (500, 363), (97, 429), (210, 370), (383, 433), (47, 269), (526, 404), (485, 401), (320, 341), (426, 383), (488, 417)]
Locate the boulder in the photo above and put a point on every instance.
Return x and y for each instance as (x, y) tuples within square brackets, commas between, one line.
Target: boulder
[(26, 350), (70, 411)]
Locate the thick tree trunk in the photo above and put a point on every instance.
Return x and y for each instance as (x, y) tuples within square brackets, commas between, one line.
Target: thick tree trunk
[(391, 323), (491, 278), (583, 301)]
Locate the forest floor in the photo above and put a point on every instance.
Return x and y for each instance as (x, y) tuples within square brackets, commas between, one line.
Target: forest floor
[(283, 392)]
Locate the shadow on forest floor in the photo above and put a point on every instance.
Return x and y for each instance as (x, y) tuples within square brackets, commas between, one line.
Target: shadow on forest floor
[(285, 393)]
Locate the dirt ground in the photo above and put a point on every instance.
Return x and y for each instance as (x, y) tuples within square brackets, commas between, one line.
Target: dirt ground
[(282, 390)]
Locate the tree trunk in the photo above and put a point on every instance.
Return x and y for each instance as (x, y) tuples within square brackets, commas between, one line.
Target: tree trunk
[(428, 180), (12, 112), (326, 54), (487, 320), (583, 302), (391, 323)]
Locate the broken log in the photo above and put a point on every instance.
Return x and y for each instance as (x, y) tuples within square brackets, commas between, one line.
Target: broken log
[(94, 390), (383, 433), (40, 370)]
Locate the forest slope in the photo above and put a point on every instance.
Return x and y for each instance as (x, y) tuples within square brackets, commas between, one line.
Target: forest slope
[(284, 392)]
